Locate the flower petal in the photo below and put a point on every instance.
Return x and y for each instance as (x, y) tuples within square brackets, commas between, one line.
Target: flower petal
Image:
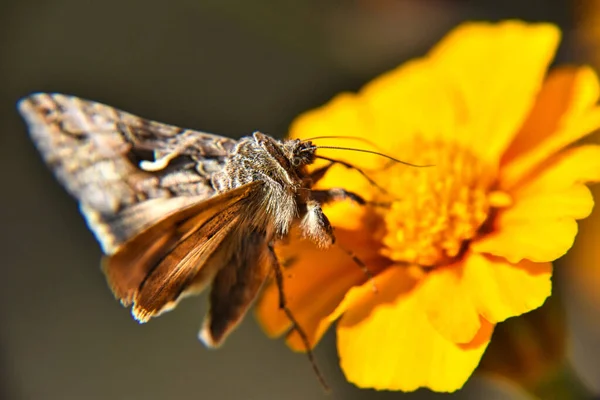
[(565, 111), (448, 304), (385, 340), (454, 297), (573, 167), (401, 102), (314, 285), (491, 65), (541, 225), (501, 290), (533, 240)]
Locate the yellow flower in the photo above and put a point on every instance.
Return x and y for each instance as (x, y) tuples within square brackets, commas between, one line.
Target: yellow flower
[(466, 243)]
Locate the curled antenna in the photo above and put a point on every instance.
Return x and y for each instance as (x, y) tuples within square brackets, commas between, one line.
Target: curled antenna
[(373, 152)]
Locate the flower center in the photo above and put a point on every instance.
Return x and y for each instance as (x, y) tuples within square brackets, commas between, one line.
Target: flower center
[(439, 208)]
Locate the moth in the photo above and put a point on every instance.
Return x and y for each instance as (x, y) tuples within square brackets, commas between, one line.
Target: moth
[(176, 210)]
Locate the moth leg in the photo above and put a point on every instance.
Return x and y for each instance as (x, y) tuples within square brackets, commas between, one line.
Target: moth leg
[(338, 194), (295, 325), (361, 265), (319, 173), (316, 226)]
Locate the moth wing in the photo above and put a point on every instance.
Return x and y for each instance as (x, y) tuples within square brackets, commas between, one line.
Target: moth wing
[(236, 286), (126, 172), (176, 255)]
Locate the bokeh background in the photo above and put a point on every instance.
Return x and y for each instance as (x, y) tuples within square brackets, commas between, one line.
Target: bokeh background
[(223, 66)]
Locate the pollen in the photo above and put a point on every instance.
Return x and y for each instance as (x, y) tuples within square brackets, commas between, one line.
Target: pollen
[(437, 209)]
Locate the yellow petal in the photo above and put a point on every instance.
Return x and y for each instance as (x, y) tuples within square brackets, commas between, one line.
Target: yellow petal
[(501, 290), (565, 111), (573, 167), (533, 240), (385, 340), (448, 304), (541, 225), (401, 104), (454, 297), (491, 66)]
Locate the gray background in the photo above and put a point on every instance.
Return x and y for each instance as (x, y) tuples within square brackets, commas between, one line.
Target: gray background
[(221, 66)]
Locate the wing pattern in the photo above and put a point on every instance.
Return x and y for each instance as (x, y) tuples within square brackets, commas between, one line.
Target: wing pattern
[(127, 172)]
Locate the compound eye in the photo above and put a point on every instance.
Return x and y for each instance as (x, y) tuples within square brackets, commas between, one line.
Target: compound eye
[(296, 161)]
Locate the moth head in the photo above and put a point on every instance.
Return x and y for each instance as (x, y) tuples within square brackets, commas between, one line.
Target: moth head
[(299, 152)]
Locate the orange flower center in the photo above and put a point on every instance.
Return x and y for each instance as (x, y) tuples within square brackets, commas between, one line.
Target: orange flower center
[(439, 208)]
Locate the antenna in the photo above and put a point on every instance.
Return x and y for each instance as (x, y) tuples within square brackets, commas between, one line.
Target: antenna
[(374, 152), (360, 139)]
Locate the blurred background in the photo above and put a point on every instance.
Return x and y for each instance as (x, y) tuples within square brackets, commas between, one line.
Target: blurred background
[(228, 67)]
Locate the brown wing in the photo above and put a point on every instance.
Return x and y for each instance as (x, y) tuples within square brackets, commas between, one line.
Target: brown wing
[(126, 172), (178, 255), (236, 286)]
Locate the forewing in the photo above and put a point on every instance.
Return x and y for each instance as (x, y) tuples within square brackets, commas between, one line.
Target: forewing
[(127, 172), (153, 269), (236, 286)]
